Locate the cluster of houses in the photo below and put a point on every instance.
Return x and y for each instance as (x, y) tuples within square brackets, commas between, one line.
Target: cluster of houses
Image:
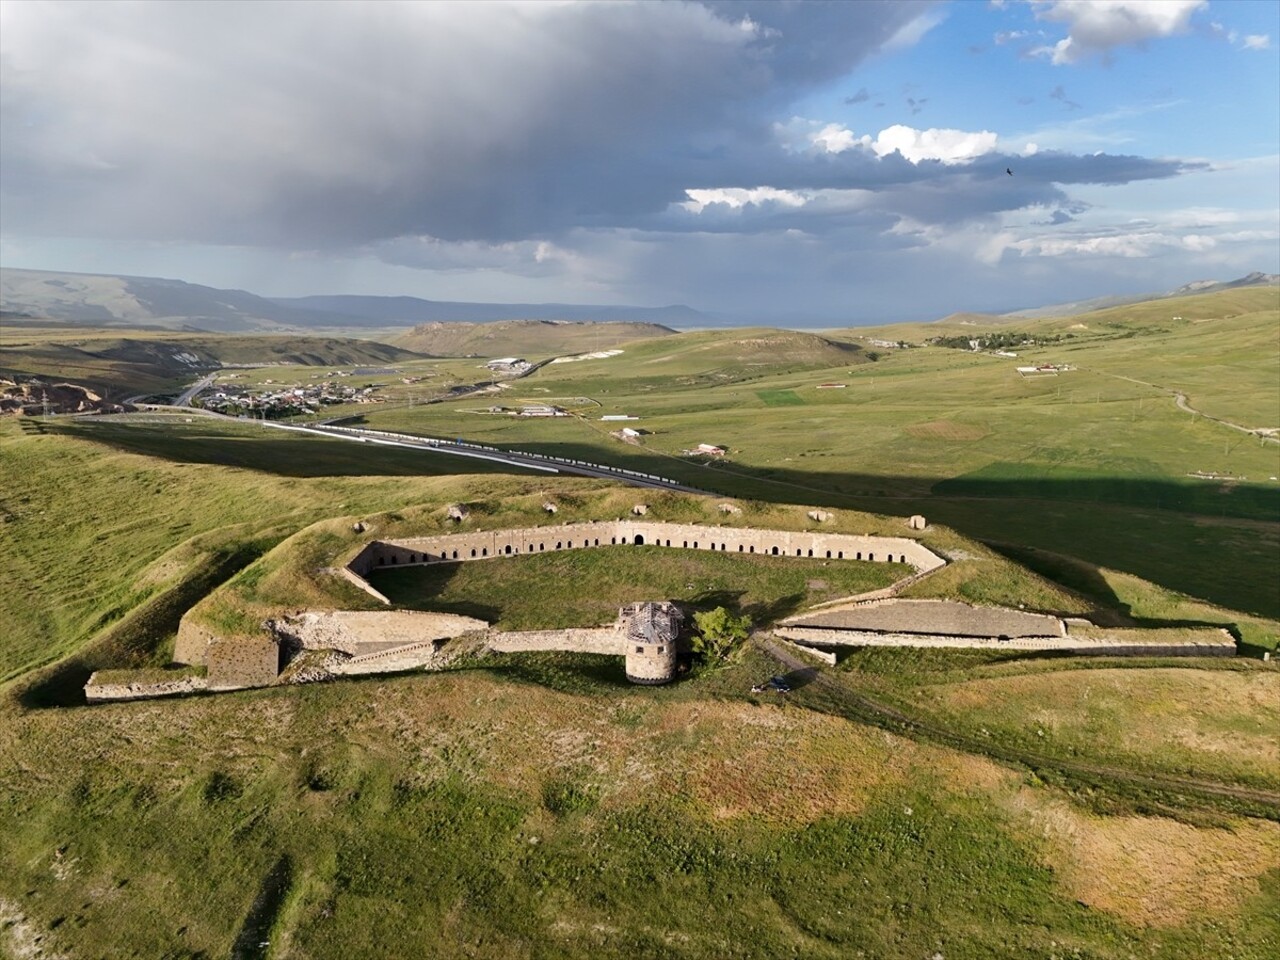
[(531, 410), (272, 400), (513, 366)]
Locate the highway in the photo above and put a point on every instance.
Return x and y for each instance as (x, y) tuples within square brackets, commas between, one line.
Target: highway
[(463, 448), (189, 394)]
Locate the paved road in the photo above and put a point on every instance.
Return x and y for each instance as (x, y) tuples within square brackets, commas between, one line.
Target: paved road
[(462, 448), (190, 393)]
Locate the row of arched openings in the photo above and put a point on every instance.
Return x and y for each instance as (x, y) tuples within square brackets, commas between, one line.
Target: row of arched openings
[(639, 541)]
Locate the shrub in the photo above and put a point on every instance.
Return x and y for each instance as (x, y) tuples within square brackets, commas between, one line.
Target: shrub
[(719, 632)]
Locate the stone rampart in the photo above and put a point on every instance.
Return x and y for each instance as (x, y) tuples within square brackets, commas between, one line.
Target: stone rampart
[(192, 643), (486, 544), (943, 617), (243, 662), (105, 692), (606, 640), (359, 581), (359, 632), (1208, 645), (410, 656)]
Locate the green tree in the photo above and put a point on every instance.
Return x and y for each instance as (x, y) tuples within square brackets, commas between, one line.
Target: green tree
[(719, 632)]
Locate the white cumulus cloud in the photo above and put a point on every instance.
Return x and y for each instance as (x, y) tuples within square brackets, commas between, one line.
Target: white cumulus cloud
[(735, 198), (1097, 26), (948, 146)]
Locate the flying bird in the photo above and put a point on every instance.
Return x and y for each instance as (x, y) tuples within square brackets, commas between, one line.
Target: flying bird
[(1008, 171)]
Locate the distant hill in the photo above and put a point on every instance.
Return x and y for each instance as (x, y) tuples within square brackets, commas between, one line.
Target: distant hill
[(390, 311), (120, 301), (107, 300), (145, 361), (1254, 279), (971, 319), (524, 338)]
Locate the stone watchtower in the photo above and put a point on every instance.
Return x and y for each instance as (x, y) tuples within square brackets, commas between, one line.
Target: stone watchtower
[(650, 630)]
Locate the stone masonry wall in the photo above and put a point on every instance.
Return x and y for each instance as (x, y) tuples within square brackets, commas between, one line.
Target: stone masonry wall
[(485, 544), (245, 662), (104, 692), (607, 640), (1212, 644), (192, 643)]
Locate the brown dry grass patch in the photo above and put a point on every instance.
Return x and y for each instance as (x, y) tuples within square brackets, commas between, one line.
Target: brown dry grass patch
[(946, 430), (1220, 715), (1149, 871)]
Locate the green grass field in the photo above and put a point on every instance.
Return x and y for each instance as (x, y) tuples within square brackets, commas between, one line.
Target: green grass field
[(528, 591), (904, 804), (526, 809)]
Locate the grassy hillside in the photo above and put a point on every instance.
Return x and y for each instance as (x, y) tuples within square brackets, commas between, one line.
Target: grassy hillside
[(1221, 349), (539, 806), (535, 339), (1098, 462), (154, 361), (92, 532)]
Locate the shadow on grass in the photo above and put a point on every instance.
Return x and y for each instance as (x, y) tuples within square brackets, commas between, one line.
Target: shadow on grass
[(134, 639), (419, 588), (576, 673), (236, 444), (1106, 520), (253, 940), (1110, 611)]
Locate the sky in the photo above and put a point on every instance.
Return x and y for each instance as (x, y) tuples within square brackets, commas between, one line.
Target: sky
[(799, 163)]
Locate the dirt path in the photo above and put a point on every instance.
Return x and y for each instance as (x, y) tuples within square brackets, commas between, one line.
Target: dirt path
[(1180, 399), (1189, 790)]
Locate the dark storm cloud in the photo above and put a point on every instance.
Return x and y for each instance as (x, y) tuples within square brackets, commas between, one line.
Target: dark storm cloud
[(344, 123)]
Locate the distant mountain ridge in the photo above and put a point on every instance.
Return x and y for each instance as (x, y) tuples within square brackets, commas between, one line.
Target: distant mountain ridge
[(114, 300), (533, 338), (395, 311), (1255, 279)]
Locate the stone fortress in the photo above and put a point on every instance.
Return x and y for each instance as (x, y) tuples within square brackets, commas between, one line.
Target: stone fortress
[(317, 645)]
